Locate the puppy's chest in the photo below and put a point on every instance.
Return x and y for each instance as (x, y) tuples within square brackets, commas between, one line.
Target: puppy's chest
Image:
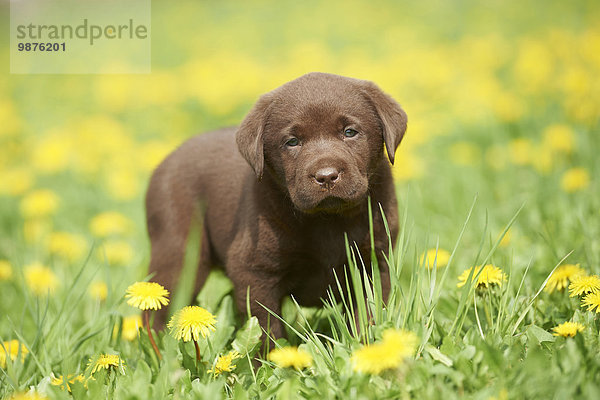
[(322, 247)]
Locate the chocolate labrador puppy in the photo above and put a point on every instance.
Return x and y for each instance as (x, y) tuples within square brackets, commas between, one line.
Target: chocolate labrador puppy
[(280, 192)]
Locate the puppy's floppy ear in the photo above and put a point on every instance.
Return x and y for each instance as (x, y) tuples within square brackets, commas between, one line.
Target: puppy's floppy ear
[(392, 116), (249, 136)]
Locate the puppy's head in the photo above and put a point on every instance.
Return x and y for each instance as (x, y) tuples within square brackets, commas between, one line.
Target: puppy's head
[(321, 138)]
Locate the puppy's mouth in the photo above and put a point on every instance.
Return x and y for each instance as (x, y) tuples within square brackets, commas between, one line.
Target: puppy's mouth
[(341, 198), (333, 205)]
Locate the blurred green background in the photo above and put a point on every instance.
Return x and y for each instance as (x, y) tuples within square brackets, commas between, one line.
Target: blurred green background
[(503, 100)]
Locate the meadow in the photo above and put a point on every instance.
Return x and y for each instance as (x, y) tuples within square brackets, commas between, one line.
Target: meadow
[(499, 168)]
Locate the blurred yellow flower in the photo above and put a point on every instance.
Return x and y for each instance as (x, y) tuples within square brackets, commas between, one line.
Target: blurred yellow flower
[(592, 300), (39, 203), (36, 230), (131, 325), (50, 153), (66, 382), (191, 322), (390, 353), (15, 181), (491, 275), (561, 276), (464, 153), (110, 223), (93, 155), (147, 295), (544, 159), (40, 279), (68, 246), (408, 166), (508, 107), (151, 153), (98, 290), (5, 270), (12, 349), (534, 64), (575, 179), (113, 92), (224, 363), (291, 356), (505, 241), (583, 284), (559, 138), (106, 361), (116, 252), (521, 151), (403, 342), (11, 121), (437, 257), (568, 329), (122, 184)]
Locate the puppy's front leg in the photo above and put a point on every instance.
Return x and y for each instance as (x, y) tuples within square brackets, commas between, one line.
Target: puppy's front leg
[(264, 293)]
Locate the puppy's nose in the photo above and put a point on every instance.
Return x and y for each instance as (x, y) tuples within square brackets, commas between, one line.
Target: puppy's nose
[(327, 176)]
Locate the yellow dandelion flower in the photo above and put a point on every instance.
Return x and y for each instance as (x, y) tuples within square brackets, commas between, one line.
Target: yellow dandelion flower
[(592, 300), (439, 257), (116, 252), (66, 382), (98, 290), (491, 275), (39, 203), (40, 279), (568, 329), (67, 245), (110, 223), (225, 363), (559, 138), (11, 349), (390, 353), (562, 275), (106, 361), (147, 295), (291, 356), (5, 270), (584, 284), (31, 395), (575, 179), (403, 342), (374, 359), (131, 326), (191, 322)]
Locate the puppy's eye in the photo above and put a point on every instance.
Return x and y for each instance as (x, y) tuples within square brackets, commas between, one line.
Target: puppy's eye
[(292, 142), (350, 133)]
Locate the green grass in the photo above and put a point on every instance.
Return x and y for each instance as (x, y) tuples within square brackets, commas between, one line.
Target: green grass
[(475, 80)]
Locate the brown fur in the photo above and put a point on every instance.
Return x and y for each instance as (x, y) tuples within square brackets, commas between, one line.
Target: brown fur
[(276, 214)]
